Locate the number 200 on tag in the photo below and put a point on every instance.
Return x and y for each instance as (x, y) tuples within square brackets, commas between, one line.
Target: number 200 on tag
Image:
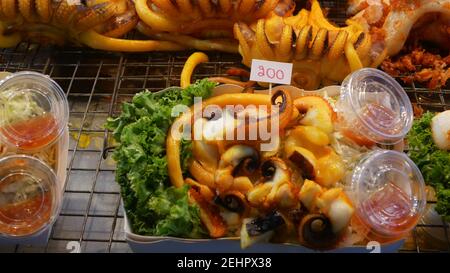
[(273, 72)]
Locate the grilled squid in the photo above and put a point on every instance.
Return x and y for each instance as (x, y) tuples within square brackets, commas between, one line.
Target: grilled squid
[(316, 111), (395, 21), (214, 130), (321, 52), (205, 17), (97, 24)]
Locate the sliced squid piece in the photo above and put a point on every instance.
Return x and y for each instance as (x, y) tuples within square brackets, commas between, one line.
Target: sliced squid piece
[(440, 127)]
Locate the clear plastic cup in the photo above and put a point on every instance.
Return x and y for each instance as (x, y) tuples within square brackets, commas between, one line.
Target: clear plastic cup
[(389, 195), (34, 111), (373, 108), (30, 197)]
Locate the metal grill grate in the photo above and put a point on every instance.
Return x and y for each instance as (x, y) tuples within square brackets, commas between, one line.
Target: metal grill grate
[(96, 83)]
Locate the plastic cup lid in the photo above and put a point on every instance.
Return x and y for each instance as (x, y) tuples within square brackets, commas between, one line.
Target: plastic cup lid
[(33, 110), (380, 103), (388, 192), (29, 199)]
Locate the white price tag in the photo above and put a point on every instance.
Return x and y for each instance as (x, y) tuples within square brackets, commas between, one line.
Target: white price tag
[(273, 72)]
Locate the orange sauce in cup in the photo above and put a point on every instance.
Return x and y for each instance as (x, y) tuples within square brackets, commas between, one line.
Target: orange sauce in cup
[(32, 133), (386, 215), (25, 217), (371, 112)]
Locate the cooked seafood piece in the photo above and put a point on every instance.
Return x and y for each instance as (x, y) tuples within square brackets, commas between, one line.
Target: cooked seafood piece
[(235, 159), (333, 203), (307, 147), (209, 214), (394, 21), (260, 229), (316, 111), (275, 190), (315, 231), (440, 127), (321, 52), (233, 201), (206, 17), (97, 24)]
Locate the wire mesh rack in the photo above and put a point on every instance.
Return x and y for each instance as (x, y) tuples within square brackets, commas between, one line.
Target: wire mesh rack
[(96, 83)]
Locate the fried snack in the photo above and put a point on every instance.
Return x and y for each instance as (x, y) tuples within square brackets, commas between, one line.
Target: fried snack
[(419, 66)]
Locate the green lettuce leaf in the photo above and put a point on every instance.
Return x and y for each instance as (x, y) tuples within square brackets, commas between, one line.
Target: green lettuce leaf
[(152, 205), (432, 162)]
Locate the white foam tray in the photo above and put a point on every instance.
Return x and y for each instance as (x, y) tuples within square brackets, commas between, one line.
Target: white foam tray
[(159, 244)]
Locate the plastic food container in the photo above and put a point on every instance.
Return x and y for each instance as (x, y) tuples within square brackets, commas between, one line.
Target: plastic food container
[(373, 108), (35, 228), (166, 244), (34, 111), (388, 192), (29, 196)]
